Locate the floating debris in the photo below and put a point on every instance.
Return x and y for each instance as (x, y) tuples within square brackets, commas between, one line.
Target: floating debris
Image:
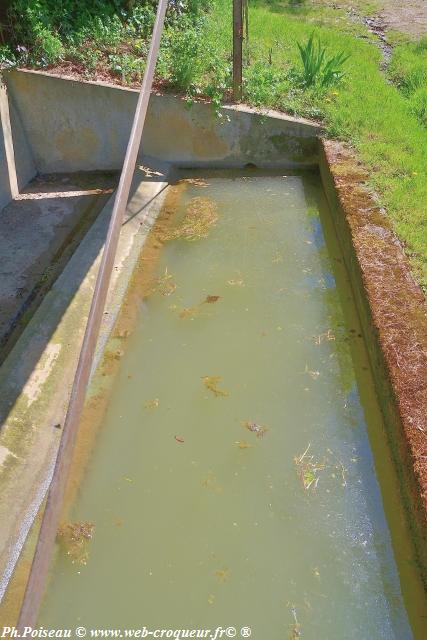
[(152, 404), (255, 428), (211, 598), (75, 537), (340, 467), (210, 482), (197, 182), (277, 258), (179, 439), (313, 374), (223, 574), (211, 383), (295, 630), (243, 445), (308, 469), (193, 312), (200, 216), (328, 335), (190, 312), (165, 284), (149, 172), (235, 283)]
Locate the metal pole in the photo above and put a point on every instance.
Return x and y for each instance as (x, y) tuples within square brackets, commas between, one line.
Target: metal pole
[(46, 541), (237, 49)]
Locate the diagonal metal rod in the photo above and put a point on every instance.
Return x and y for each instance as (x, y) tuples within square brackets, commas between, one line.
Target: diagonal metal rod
[(45, 545)]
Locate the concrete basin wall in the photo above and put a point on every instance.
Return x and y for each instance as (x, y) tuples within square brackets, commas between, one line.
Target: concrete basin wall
[(17, 166), (73, 125)]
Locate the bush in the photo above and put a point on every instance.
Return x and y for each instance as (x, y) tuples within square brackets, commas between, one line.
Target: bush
[(184, 45), (264, 84)]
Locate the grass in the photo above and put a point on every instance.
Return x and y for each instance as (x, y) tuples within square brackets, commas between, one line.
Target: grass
[(408, 71), (384, 122)]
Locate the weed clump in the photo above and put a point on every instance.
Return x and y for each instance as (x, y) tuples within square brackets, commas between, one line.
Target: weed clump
[(309, 467), (211, 383), (75, 537), (255, 428), (201, 215)]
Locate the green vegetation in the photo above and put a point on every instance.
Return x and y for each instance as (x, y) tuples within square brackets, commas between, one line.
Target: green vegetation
[(384, 122), (318, 69), (408, 70)]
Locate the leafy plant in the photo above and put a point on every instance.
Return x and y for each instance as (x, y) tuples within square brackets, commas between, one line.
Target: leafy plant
[(318, 68)]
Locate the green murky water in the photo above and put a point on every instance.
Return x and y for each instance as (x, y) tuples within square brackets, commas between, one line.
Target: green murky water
[(199, 522)]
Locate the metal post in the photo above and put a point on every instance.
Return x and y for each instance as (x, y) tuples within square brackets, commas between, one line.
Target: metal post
[(46, 541), (237, 49)]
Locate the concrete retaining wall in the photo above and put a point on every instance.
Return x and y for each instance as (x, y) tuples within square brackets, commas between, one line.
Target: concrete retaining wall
[(75, 126), (17, 167), (5, 192)]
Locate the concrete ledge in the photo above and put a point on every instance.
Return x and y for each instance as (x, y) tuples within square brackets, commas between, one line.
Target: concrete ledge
[(75, 125), (393, 314), (36, 377)]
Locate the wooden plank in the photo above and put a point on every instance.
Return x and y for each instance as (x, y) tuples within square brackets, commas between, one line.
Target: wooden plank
[(237, 49)]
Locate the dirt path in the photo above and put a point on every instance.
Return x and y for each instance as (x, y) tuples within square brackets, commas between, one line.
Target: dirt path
[(408, 16)]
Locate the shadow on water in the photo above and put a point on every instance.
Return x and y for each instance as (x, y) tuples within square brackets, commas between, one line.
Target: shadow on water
[(363, 397)]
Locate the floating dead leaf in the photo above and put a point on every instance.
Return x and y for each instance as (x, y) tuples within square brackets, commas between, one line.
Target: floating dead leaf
[(190, 312), (210, 482), (211, 383), (152, 404), (212, 299), (235, 283), (243, 445), (223, 575), (179, 439), (75, 537), (200, 216), (255, 428)]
